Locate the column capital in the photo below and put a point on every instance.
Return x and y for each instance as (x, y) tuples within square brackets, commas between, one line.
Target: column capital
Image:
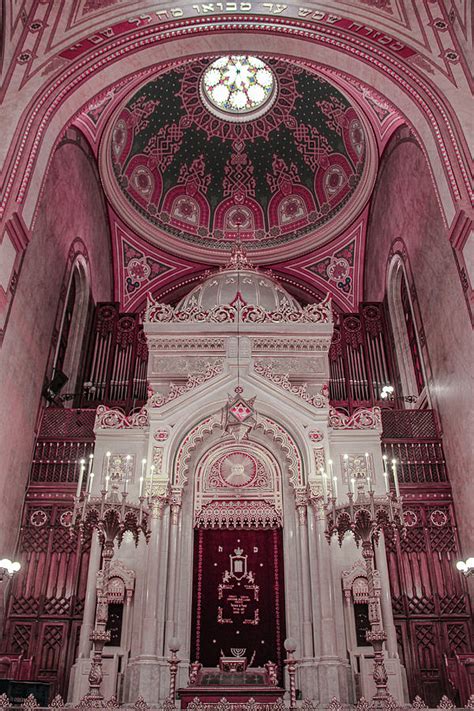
[(175, 500), (157, 506), (301, 503)]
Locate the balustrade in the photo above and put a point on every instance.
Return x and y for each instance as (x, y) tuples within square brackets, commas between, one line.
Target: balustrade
[(411, 437)]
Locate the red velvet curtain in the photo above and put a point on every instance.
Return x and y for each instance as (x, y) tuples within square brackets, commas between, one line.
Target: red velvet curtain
[(238, 599)]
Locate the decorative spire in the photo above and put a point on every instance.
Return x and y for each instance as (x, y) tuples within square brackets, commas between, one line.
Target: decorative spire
[(238, 255)]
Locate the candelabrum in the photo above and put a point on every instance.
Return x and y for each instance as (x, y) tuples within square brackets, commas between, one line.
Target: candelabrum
[(173, 661), (111, 515), (367, 515), (290, 663)]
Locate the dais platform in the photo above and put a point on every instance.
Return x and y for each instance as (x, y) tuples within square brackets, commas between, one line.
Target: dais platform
[(213, 684)]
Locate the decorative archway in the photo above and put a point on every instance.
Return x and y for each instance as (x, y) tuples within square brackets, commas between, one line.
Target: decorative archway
[(269, 427), (238, 582)]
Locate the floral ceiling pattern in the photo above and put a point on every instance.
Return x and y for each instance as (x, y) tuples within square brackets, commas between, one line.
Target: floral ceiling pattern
[(284, 181)]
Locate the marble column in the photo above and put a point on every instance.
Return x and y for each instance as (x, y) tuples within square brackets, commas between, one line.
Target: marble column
[(172, 564), (308, 650), (150, 600), (326, 588), (386, 598), (90, 601)]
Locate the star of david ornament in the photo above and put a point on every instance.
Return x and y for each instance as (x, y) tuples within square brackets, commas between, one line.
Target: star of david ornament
[(239, 416)]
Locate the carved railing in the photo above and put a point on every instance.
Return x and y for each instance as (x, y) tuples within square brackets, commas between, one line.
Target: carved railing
[(157, 312), (65, 437), (411, 437), (30, 704)]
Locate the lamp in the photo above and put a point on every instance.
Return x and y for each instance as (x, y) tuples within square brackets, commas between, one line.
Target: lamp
[(366, 516), (290, 663), (387, 393), (173, 661), (465, 567), (8, 568)]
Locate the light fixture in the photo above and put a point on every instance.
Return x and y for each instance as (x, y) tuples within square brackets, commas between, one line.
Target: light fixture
[(466, 567), (387, 393), (8, 568)]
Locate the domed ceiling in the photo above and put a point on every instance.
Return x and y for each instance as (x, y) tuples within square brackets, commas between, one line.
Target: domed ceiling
[(257, 147)]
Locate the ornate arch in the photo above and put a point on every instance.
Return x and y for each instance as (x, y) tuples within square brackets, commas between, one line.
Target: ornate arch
[(398, 275), (236, 484), (269, 428), (77, 271)]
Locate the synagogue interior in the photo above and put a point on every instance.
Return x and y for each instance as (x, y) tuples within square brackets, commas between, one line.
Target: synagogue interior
[(236, 383)]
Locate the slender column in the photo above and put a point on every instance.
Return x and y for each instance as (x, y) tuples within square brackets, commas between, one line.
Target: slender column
[(90, 601), (305, 580), (326, 592), (386, 599), (174, 528), (149, 626), (376, 635)]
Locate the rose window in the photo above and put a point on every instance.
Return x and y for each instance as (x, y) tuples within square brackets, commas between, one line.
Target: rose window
[(238, 87)]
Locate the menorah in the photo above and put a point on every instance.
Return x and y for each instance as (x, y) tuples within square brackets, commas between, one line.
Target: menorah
[(366, 515), (111, 514)]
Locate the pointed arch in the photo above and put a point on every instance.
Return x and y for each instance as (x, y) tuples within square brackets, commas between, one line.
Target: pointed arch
[(408, 350)]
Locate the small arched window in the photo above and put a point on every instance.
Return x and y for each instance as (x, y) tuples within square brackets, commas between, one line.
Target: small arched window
[(73, 324), (411, 366)]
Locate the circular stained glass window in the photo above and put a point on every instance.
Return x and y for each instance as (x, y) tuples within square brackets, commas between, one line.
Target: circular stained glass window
[(238, 87)]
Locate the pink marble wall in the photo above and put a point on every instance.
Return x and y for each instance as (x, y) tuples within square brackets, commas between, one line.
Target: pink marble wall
[(405, 206), (72, 207)]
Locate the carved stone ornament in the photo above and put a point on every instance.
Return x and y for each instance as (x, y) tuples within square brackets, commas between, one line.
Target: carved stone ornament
[(363, 704), (30, 703), (356, 467), (109, 419), (284, 382), (268, 344), (120, 584), (175, 391), (363, 419), (355, 585), (120, 468), (319, 459), (198, 344), (157, 312), (234, 514)]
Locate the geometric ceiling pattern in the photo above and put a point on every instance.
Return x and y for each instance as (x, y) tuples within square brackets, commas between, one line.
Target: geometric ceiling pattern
[(336, 268), (141, 267), (312, 250), (283, 182)]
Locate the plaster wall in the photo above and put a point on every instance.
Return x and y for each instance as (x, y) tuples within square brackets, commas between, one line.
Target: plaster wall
[(72, 207), (405, 207)]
